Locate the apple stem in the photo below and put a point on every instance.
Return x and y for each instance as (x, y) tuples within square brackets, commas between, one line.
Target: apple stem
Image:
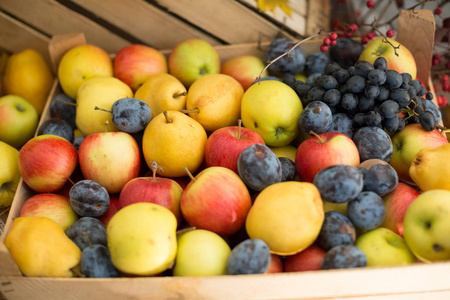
[(155, 167), (187, 229), (187, 111), (277, 133), (76, 270), (316, 135), (189, 173), (71, 181), (168, 120), (88, 239), (65, 102), (106, 125), (6, 210), (179, 94), (239, 128), (98, 108)]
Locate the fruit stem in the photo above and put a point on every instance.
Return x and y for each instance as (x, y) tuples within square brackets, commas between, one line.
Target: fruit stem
[(187, 111), (98, 108), (179, 94), (239, 128), (6, 210), (277, 133), (189, 173), (88, 239), (168, 120), (155, 167), (65, 102), (106, 125), (71, 181), (318, 136)]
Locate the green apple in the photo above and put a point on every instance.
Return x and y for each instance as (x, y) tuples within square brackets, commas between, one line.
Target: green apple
[(271, 108), (18, 120), (383, 247), (201, 253), (426, 226), (192, 59), (9, 174)]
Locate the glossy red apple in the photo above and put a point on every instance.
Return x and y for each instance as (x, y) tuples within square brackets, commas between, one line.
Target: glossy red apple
[(46, 162), (52, 206), (112, 209), (323, 150), (306, 260), (396, 204), (159, 190), (216, 200), (276, 264), (133, 64), (224, 145)]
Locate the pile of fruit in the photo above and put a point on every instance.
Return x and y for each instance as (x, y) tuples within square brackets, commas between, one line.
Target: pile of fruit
[(189, 166)]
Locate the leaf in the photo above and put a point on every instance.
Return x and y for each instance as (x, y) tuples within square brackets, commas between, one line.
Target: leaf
[(272, 5)]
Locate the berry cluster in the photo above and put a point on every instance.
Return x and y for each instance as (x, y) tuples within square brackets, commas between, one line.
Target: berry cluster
[(329, 41)]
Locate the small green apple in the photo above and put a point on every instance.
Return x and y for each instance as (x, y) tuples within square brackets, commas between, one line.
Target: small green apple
[(383, 247), (426, 226), (18, 120), (9, 174), (201, 253)]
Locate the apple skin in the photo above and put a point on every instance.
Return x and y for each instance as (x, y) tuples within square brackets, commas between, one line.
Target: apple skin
[(163, 191), (426, 226), (224, 145), (383, 247), (407, 143), (192, 59), (396, 204), (403, 63), (276, 264), (112, 209), (133, 64), (309, 259), (324, 150), (18, 120), (110, 158), (245, 69), (52, 206), (9, 174), (46, 162), (216, 200)]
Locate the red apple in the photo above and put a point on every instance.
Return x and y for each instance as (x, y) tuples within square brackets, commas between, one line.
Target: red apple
[(46, 162), (323, 150), (306, 260), (407, 143), (52, 206), (276, 264), (112, 209), (159, 190), (110, 158), (244, 68), (396, 204), (224, 145), (133, 64), (403, 63), (216, 200)]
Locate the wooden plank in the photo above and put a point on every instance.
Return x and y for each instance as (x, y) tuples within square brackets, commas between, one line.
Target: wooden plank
[(146, 22), (53, 18), (16, 36), (318, 16), (229, 20)]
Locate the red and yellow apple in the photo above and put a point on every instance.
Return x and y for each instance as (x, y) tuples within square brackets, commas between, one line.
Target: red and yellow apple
[(309, 259), (245, 69)]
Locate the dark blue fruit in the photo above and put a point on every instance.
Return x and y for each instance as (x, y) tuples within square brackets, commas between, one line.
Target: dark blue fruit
[(379, 177), (288, 169), (86, 231), (339, 183), (89, 198), (367, 211), (346, 52), (130, 114), (316, 117), (251, 256), (56, 126), (373, 142), (294, 63), (336, 230), (342, 123), (344, 257), (315, 63), (96, 262), (259, 167), (63, 107)]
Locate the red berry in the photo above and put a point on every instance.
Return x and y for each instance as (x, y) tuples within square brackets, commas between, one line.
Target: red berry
[(333, 36), (436, 88), (437, 56), (390, 33), (444, 78), (371, 34), (365, 40), (442, 101), (353, 27), (434, 62), (326, 41), (323, 48), (438, 10), (370, 4), (333, 42)]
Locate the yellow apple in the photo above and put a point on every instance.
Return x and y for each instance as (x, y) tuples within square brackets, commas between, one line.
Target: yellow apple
[(272, 108), (162, 92), (288, 151), (9, 174), (80, 64)]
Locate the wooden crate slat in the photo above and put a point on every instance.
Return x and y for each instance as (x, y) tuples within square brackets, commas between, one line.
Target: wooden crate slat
[(318, 16), (29, 38), (145, 22), (54, 18), (229, 20)]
